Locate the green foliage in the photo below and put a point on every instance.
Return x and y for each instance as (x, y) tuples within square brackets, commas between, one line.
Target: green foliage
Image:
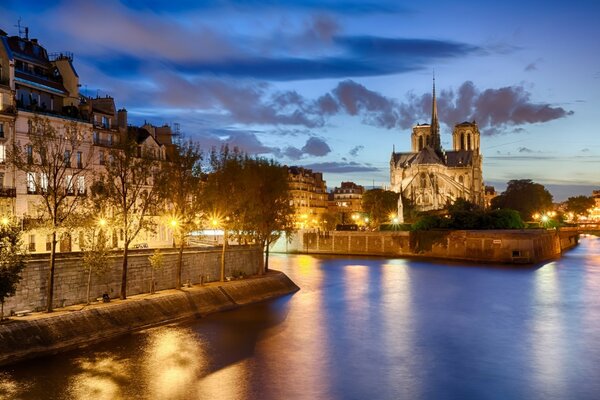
[(12, 261), (379, 204), (476, 219), (580, 204), (156, 260), (249, 196), (524, 196)]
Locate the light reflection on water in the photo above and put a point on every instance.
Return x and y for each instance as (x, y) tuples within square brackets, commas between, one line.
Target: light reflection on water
[(360, 328)]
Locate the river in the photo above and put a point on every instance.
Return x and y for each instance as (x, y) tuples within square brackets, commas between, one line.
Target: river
[(360, 328)]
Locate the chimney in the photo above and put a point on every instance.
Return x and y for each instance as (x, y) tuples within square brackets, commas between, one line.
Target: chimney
[(122, 119)]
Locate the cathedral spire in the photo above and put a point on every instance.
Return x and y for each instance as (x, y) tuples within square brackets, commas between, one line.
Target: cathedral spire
[(435, 125)]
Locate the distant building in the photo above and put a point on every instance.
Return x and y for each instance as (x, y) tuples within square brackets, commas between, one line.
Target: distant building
[(489, 194), (594, 214), (346, 200), (309, 196), (430, 176)]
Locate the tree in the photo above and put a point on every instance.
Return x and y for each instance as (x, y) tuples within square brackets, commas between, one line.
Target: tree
[(181, 189), (579, 205), (223, 194), (129, 188), (524, 196), (268, 213), (95, 250), (12, 261), (60, 184), (156, 263), (379, 204)]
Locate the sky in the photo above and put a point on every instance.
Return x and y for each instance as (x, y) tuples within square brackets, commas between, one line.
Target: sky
[(335, 85)]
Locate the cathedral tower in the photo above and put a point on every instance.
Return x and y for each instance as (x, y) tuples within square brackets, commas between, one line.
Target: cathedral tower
[(435, 124)]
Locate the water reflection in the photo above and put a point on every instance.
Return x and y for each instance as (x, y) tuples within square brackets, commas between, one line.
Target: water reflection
[(360, 328), (100, 377), (173, 360)]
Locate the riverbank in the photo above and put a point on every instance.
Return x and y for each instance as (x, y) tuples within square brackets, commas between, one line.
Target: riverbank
[(41, 334), (523, 246)]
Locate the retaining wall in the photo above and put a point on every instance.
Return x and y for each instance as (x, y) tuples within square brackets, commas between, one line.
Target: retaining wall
[(43, 334), (493, 246), (70, 281)]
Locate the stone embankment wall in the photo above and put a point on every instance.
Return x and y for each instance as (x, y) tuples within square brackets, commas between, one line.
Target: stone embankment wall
[(70, 281), (499, 246), (44, 334)]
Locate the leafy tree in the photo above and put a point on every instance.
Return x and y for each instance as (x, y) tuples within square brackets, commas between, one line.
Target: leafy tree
[(580, 204), (12, 261), (268, 211), (47, 161), (524, 196), (129, 188), (379, 204), (96, 251), (223, 196), (156, 263), (181, 189)]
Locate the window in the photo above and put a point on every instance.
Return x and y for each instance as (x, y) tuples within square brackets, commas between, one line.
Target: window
[(68, 158), (110, 139), (69, 184), (48, 242), (1, 180), (96, 137), (31, 242), (101, 157), (79, 160), (44, 181), (1, 124), (2, 153), (31, 182), (81, 184), (106, 122), (29, 150)]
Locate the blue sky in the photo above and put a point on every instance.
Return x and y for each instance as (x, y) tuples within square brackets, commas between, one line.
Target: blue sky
[(335, 85)]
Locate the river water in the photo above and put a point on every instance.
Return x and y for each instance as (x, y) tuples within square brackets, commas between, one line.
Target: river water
[(360, 328)]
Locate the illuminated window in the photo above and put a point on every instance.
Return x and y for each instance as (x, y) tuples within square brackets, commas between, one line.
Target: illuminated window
[(81, 184), (44, 181), (69, 184), (2, 153), (31, 182)]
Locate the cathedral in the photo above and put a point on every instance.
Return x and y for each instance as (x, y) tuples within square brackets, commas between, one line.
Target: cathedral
[(431, 177)]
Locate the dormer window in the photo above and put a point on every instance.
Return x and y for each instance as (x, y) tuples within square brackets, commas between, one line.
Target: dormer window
[(106, 122)]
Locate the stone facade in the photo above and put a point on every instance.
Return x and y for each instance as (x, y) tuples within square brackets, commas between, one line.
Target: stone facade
[(309, 196), (71, 278), (431, 177)]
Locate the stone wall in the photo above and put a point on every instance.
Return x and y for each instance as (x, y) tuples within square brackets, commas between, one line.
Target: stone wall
[(70, 283), (500, 246), (43, 334)]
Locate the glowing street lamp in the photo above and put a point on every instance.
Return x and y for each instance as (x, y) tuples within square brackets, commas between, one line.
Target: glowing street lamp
[(4, 221)]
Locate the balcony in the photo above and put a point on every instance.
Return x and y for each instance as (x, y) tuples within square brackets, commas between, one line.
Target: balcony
[(8, 192)]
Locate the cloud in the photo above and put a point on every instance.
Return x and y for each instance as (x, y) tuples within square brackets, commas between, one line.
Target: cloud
[(341, 167), (355, 150), (586, 150), (495, 110), (525, 150), (316, 147)]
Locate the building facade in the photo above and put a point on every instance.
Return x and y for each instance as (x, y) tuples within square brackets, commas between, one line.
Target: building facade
[(37, 86), (431, 177), (309, 196)]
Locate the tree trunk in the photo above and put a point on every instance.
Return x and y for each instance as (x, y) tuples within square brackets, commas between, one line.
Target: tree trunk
[(179, 263), (50, 288), (223, 255), (124, 274), (266, 269), (151, 279), (89, 284)]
